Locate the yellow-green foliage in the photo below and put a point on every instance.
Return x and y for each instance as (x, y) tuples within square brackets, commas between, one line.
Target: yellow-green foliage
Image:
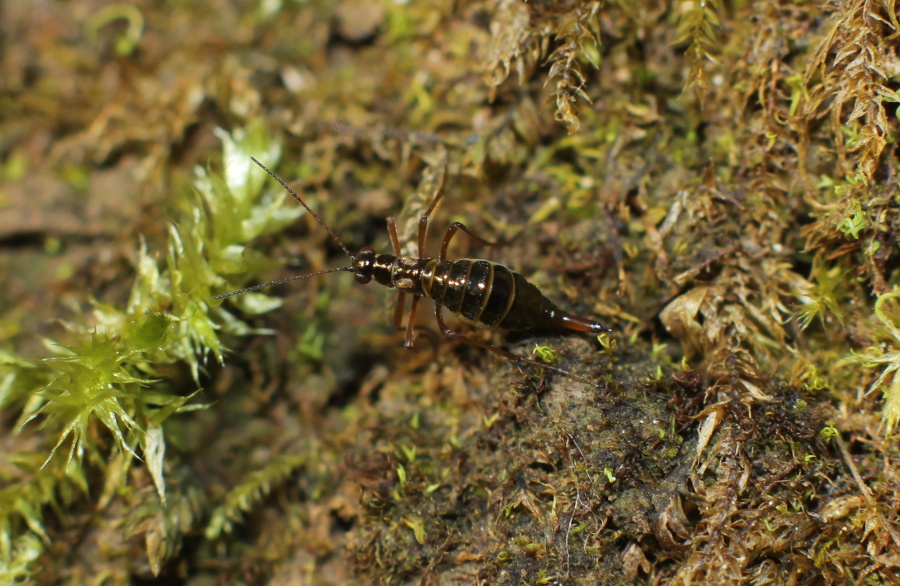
[(824, 296), (106, 374), (885, 356), (853, 61), (698, 24), (577, 31), (575, 40), (99, 378), (246, 495)]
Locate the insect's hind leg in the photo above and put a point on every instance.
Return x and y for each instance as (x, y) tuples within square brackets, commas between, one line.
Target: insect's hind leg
[(451, 232), (438, 314)]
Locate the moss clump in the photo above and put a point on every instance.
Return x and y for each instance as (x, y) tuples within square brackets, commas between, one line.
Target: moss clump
[(714, 180)]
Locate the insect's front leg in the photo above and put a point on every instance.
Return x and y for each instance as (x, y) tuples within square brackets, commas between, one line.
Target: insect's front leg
[(401, 299)]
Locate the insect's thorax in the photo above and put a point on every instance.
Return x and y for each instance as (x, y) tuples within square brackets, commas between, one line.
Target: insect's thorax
[(405, 273)]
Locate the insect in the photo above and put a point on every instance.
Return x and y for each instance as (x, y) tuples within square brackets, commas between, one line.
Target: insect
[(479, 292)]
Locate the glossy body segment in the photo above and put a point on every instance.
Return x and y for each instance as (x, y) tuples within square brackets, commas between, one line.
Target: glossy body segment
[(479, 292)]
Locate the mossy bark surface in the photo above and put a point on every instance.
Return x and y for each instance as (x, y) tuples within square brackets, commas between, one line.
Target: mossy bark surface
[(715, 181)]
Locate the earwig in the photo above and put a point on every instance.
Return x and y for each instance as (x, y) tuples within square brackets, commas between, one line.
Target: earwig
[(478, 292)]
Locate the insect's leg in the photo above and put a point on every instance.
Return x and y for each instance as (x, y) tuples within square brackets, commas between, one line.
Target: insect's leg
[(398, 312), (392, 232), (452, 230), (410, 324), (423, 227), (440, 181), (438, 314), (401, 298), (439, 188)]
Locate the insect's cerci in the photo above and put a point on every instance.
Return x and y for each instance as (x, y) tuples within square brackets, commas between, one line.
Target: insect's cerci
[(478, 292)]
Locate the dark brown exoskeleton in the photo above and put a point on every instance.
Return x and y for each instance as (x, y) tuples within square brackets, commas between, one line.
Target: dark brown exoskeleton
[(479, 292)]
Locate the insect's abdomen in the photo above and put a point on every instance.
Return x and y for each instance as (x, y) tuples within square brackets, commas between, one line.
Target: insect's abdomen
[(529, 307), (487, 294)]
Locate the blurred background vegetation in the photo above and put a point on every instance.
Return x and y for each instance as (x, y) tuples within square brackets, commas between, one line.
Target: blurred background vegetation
[(714, 180)]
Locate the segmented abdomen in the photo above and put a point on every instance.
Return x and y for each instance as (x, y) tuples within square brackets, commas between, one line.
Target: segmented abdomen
[(486, 294)]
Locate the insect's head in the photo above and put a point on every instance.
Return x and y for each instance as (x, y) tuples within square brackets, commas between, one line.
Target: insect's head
[(364, 264)]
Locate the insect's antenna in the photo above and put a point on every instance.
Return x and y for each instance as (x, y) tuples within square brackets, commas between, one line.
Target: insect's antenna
[(308, 209), (280, 281)]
